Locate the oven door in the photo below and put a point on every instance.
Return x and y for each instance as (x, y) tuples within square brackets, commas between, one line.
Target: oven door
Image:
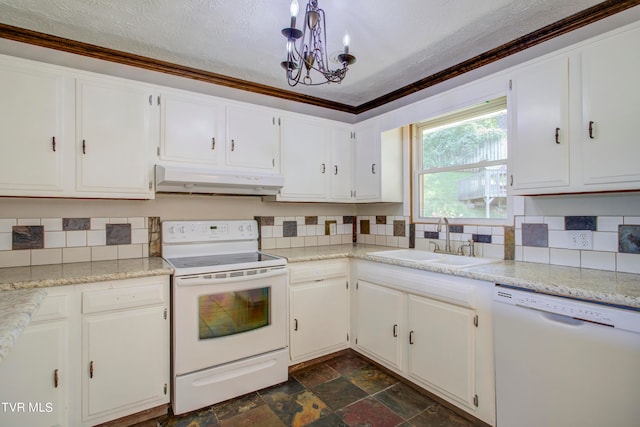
[(223, 317)]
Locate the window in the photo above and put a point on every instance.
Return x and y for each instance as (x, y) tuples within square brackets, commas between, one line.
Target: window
[(460, 164)]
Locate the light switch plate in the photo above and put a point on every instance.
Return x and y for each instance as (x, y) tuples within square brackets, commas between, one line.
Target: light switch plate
[(580, 239)]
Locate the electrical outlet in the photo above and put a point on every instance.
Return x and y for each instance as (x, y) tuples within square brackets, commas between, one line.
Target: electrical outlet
[(580, 239)]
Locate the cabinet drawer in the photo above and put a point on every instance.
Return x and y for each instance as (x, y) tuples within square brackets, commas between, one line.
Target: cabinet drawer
[(119, 298), (53, 307), (317, 270)]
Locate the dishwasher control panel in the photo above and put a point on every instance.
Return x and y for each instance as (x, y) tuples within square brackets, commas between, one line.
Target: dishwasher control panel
[(579, 310)]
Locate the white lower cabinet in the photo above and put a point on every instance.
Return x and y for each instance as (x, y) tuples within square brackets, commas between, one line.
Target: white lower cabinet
[(92, 353), (35, 376), (125, 348), (433, 329), (442, 347), (319, 309), (379, 319)]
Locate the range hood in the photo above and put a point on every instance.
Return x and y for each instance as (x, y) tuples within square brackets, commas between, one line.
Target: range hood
[(170, 179)]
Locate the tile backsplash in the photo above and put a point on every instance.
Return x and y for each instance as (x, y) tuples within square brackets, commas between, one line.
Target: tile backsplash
[(39, 241), (612, 242), (277, 232)]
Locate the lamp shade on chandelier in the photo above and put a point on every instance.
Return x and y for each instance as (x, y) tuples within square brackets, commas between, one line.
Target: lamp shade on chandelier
[(306, 52)]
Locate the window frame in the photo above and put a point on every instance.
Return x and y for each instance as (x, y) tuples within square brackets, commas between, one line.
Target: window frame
[(472, 109)]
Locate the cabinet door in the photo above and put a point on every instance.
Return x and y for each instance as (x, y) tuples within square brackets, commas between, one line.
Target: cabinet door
[(35, 378), (319, 321), (379, 321), (124, 361), (611, 90), (192, 130), (305, 159), (368, 167), (540, 147), (114, 139), (252, 139), (33, 139), (341, 165), (441, 347)]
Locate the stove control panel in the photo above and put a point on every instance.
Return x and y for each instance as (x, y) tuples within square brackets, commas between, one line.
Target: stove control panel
[(208, 231)]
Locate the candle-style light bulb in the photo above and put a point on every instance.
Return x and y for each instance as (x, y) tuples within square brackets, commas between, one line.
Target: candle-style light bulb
[(345, 42), (294, 12)]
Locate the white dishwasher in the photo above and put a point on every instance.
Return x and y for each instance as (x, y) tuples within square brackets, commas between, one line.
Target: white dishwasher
[(565, 363)]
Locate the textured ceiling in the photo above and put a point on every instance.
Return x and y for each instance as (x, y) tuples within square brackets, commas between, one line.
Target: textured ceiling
[(396, 42)]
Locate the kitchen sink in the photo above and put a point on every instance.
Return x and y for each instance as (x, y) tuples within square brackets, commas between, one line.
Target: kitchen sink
[(407, 255), (434, 258)]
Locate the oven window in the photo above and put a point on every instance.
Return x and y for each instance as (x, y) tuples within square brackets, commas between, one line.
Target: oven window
[(232, 313)]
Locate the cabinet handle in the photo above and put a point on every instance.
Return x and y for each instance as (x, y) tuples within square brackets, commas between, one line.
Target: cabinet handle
[(91, 369), (591, 130), (395, 330), (557, 135), (411, 337), (53, 143), (213, 143), (335, 169), (55, 378), (511, 180), (233, 145), (373, 168), (295, 324), (84, 147), (324, 168)]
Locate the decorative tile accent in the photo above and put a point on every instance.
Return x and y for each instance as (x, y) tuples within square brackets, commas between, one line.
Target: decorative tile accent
[(431, 235), (310, 220), (347, 219), (481, 238), (265, 220), (118, 234), (327, 227), (364, 226), (399, 227), (509, 243), (73, 224), (629, 239), (535, 235), (456, 229), (28, 237), (580, 223), (289, 229), (155, 239), (412, 236), (381, 219)]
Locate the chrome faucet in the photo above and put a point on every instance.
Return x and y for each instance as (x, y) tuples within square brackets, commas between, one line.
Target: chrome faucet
[(447, 243)]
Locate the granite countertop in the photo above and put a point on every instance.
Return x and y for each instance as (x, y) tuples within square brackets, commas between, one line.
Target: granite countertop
[(609, 287), (22, 289)]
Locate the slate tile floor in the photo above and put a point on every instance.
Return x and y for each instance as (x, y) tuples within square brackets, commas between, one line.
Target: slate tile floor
[(344, 391)]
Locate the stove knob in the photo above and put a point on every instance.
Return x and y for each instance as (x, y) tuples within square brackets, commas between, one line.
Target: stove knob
[(249, 228), (241, 228)]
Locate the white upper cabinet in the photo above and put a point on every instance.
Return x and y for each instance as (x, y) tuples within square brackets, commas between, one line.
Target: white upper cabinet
[(574, 127), (192, 129), (341, 182), (114, 138), (378, 164), (253, 138), (611, 109), (305, 159), (540, 137), (316, 160), (35, 134)]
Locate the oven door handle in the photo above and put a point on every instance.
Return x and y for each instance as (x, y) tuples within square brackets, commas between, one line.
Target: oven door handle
[(201, 280)]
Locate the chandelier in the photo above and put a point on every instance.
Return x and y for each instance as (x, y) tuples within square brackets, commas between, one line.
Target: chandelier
[(305, 49)]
